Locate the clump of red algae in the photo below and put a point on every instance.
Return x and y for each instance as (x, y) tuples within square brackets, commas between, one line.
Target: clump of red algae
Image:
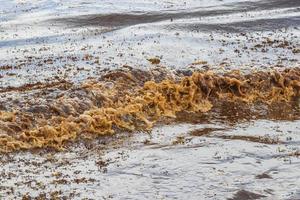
[(128, 101)]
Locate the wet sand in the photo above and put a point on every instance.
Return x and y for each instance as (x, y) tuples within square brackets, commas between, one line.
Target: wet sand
[(62, 59)]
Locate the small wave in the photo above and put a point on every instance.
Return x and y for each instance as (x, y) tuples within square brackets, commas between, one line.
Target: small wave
[(135, 100)]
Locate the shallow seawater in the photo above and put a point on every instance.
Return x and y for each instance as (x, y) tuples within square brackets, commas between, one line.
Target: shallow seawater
[(167, 163), (49, 48), (50, 40)]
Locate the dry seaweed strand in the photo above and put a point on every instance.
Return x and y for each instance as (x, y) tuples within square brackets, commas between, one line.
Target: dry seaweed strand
[(129, 105)]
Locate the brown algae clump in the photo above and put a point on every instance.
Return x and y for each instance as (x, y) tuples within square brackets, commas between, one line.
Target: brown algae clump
[(128, 101)]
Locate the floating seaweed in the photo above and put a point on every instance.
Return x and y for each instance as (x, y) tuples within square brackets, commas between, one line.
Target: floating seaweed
[(135, 100)]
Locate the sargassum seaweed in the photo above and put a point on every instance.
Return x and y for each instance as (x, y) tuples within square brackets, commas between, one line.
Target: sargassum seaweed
[(128, 106)]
